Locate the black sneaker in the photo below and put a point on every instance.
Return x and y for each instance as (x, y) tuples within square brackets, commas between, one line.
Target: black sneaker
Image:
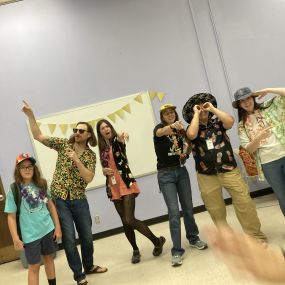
[(136, 258), (158, 249)]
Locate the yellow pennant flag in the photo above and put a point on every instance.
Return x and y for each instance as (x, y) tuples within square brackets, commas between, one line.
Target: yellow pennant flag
[(160, 95), (112, 117), (63, 128), (73, 125), (39, 124), (152, 94), (121, 113), (51, 127), (127, 108), (139, 99), (93, 123), (97, 120)]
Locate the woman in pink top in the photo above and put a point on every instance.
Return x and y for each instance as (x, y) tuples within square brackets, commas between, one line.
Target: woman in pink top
[(121, 186)]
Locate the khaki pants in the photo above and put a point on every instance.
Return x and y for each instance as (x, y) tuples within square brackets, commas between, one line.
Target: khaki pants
[(210, 187)]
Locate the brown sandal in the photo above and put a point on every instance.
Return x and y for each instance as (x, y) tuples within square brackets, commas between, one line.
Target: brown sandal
[(82, 283)]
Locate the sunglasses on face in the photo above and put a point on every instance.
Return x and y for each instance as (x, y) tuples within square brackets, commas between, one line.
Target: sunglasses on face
[(81, 131), (27, 168)]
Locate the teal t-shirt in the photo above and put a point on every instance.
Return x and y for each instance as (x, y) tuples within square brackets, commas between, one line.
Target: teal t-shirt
[(35, 219)]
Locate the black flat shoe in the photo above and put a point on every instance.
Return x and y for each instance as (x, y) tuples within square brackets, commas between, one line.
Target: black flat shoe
[(158, 249), (136, 258)]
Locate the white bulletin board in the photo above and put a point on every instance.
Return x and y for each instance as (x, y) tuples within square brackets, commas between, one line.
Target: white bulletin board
[(133, 114)]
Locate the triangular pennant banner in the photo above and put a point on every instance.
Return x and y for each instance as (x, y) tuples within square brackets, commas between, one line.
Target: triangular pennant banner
[(160, 95), (121, 113), (51, 127), (93, 123), (139, 99), (152, 94), (112, 117), (73, 125), (97, 120), (63, 128), (39, 124), (127, 108)]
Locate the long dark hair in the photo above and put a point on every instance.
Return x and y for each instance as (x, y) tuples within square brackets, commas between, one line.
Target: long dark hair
[(242, 114), (162, 120), (37, 178), (101, 141), (92, 141)]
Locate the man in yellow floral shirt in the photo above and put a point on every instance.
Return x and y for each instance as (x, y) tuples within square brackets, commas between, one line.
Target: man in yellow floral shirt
[(75, 168)]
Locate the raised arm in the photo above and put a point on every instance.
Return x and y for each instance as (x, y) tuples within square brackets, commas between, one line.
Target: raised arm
[(278, 91), (37, 134), (123, 137), (169, 129), (224, 117), (193, 128)]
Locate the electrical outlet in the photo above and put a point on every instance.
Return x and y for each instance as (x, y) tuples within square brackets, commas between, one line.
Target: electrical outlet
[(97, 219)]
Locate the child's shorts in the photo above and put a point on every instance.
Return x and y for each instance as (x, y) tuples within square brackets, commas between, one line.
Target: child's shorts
[(43, 246)]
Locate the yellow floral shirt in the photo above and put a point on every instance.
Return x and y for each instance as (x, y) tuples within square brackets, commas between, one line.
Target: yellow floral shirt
[(67, 182)]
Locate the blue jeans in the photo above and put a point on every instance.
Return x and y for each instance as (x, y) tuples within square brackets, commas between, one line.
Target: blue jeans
[(175, 183), (274, 173), (76, 212)]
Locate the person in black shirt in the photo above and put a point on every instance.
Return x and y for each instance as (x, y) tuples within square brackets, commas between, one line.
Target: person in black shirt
[(172, 151), (215, 163)]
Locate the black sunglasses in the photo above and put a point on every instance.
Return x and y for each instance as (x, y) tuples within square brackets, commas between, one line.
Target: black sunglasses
[(81, 131)]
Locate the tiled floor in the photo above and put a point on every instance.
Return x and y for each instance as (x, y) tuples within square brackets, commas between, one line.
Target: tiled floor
[(199, 267)]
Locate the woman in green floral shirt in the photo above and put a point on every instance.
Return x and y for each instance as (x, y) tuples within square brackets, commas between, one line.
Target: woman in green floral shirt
[(262, 132)]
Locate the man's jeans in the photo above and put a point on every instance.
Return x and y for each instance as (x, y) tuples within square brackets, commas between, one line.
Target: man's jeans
[(174, 183), (76, 212)]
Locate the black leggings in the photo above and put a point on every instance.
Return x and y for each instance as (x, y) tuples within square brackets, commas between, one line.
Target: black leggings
[(126, 210)]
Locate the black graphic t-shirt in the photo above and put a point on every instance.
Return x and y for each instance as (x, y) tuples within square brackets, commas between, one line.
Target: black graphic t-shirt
[(170, 150), (212, 149)]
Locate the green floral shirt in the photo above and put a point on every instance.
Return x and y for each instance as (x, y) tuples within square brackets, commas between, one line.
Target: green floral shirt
[(66, 178), (273, 112)]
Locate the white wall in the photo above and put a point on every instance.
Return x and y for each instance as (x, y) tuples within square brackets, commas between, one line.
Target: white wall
[(61, 54)]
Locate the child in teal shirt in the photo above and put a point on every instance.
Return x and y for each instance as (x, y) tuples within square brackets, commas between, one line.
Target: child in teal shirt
[(38, 221)]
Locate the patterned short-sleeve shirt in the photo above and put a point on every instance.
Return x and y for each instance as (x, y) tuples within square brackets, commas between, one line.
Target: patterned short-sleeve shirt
[(214, 157), (67, 182), (273, 112)]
